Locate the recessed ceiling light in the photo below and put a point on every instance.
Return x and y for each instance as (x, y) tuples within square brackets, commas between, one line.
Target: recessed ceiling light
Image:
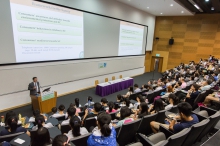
[(171, 5), (212, 8), (207, 0), (161, 13), (148, 7), (182, 11), (197, 7)]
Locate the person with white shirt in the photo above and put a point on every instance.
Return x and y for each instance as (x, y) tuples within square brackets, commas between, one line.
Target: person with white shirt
[(136, 89), (71, 111), (60, 112), (89, 101), (40, 121), (159, 86), (173, 100), (206, 85), (76, 130)]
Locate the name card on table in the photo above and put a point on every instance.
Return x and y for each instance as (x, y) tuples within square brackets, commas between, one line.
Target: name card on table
[(47, 95)]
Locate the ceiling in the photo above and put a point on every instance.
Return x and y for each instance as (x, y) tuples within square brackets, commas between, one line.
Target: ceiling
[(159, 7), (206, 6)]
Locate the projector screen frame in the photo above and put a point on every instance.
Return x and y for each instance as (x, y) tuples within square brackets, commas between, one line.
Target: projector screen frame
[(47, 61)]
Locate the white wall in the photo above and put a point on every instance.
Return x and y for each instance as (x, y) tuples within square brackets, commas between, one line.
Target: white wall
[(17, 79)]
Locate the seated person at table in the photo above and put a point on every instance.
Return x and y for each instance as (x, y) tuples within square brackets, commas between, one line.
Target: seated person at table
[(71, 111), (156, 107), (104, 103), (40, 122), (60, 112), (125, 113), (89, 101), (93, 113), (130, 91), (111, 106), (104, 134), (192, 94), (76, 130), (8, 115), (139, 99), (212, 97), (173, 100), (61, 140), (205, 85), (136, 89), (186, 117), (77, 103), (13, 127), (41, 138), (143, 110)]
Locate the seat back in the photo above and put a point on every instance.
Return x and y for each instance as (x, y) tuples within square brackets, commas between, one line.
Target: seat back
[(187, 88), (65, 128), (9, 137), (174, 109), (209, 110), (81, 114), (96, 82), (213, 121), (117, 129), (113, 114), (90, 122), (133, 96), (178, 138), (194, 133), (199, 98), (150, 97), (120, 76), (106, 79), (127, 132), (113, 78), (81, 140), (61, 118), (161, 116), (144, 126)]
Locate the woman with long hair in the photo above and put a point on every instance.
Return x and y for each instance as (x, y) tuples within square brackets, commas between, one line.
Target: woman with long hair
[(173, 100), (41, 138), (111, 106), (157, 106)]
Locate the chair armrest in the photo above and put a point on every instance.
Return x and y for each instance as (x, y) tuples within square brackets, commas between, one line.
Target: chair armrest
[(209, 110), (216, 104), (200, 117), (167, 132), (144, 140)]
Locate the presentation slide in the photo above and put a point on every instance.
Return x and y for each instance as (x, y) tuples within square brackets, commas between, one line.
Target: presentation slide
[(46, 32), (130, 39)]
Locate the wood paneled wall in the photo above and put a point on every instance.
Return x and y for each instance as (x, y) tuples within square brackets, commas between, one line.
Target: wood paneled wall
[(195, 37)]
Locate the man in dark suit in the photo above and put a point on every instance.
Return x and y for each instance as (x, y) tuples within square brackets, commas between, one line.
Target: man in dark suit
[(34, 87)]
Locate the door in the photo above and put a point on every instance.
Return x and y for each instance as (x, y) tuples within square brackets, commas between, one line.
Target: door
[(156, 64)]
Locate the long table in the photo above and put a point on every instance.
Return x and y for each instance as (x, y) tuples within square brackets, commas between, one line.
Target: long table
[(110, 87)]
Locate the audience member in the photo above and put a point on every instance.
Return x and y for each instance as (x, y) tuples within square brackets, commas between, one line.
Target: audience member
[(76, 130), (128, 103), (13, 127), (10, 114), (78, 110), (125, 113), (206, 85), (143, 110), (89, 101), (157, 106), (139, 99), (186, 117), (71, 111), (54, 110), (104, 134), (173, 100), (60, 112), (41, 138), (136, 88), (178, 87), (159, 86), (93, 113), (212, 97), (192, 94), (35, 114), (104, 103), (61, 140), (183, 85), (130, 91), (169, 90), (111, 107), (77, 103), (40, 122)]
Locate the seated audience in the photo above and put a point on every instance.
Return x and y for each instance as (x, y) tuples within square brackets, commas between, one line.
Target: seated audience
[(111, 106), (119, 98), (76, 130), (191, 81), (125, 113), (173, 100), (205, 85), (61, 140), (187, 119), (178, 87), (104, 134), (35, 114), (8, 115), (215, 75), (13, 127), (60, 112), (104, 103), (71, 111), (136, 88), (89, 101), (156, 107), (212, 97), (40, 122), (169, 90), (139, 99), (192, 94), (143, 110), (183, 85), (130, 91), (127, 103), (54, 110), (77, 109), (159, 86), (41, 138), (77, 103), (92, 113)]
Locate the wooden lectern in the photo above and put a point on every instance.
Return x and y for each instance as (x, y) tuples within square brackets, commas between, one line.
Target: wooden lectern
[(44, 102)]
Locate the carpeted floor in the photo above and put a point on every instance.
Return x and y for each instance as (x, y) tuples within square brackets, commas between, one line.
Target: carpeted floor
[(82, 95)]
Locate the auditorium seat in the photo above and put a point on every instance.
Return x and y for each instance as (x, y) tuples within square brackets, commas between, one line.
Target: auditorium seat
[(113, 115), (120, 76), (81, 140), (144, 126), (201, 110), (9, 137), (96, 82), (174, 109), (106, 79), (199, 98), (113, 78), (89, 123), (161, 116), (65, 128), (127, 132)]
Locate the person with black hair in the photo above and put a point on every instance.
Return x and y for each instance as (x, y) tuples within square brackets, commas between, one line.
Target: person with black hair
[(35, 114), (41, 138), (13, 127), (104, 134), (136, 88), (157, 106), (40, 122), (8, 115), (119, 98), (127, 103), (61, 140), (192, 94), (125, 113), (71, 112), (93, 113), (173, 100), (61, 111), (143, 110), (104, 103), (177, 86), (54, 110), (76, 130), (89, 99), (139, 99), (187, 119), (77, 103), (111, 106), (34, 87), (130, 91), (206, 85), (78, 110)]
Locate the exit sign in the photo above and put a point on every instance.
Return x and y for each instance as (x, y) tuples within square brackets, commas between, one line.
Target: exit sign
[(158, 55)]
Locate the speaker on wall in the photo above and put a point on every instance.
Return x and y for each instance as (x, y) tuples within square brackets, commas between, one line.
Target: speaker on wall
[(171, 41)]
